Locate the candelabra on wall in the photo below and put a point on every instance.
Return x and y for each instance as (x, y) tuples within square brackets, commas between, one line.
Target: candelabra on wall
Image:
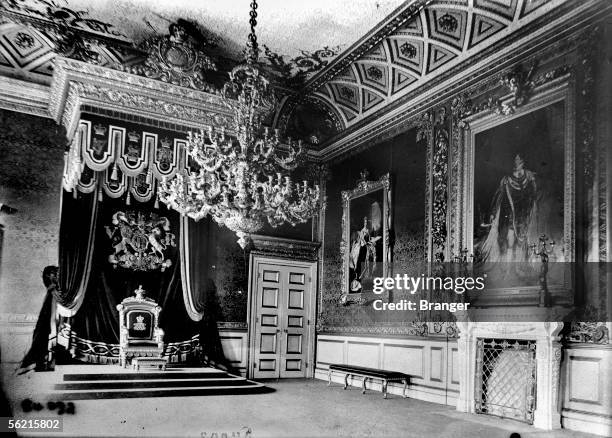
[(462, 258), (543, 250), (462, 261)]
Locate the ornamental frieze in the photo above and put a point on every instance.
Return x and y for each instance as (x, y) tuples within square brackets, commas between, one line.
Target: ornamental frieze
[(143, 103)]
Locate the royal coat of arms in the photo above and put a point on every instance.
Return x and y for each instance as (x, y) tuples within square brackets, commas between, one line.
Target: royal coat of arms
[(140, 241)]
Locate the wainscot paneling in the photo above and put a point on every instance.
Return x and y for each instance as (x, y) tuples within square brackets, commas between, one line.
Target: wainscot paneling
[(586, 378), (235, 347), (431, 362), (16, 335)]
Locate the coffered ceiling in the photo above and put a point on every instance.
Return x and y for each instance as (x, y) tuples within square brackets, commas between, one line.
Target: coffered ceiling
[(438, 36)]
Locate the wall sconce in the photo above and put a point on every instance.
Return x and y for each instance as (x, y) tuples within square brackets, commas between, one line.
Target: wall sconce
[(543, 250)]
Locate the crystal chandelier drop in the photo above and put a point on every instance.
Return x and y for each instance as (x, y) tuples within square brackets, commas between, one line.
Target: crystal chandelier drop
[(240, 182)]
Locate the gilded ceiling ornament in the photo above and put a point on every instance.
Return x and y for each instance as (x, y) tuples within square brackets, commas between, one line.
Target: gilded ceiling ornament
[(448, 23), (408, 50), (24, 40), (175, 58), (294, 72), (72, 45), (375, 73), (347, 93)]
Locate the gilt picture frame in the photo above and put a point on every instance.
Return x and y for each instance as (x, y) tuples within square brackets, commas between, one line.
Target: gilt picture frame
[(527, 160), (365, 245)]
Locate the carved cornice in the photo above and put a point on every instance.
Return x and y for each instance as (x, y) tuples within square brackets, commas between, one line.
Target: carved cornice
[(280, 247), (24, 97), (76, 83)]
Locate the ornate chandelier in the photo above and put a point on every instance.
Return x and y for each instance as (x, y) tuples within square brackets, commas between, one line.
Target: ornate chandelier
[(240, 181)]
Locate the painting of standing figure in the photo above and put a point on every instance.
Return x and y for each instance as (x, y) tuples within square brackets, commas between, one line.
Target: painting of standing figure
[(512, 222), (365, 230), (519, 194), (366, 247)]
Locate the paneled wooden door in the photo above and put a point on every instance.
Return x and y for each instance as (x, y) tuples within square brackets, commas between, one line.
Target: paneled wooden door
[(282, 318)]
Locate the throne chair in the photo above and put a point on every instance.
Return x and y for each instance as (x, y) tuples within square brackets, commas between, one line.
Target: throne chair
[(139, 333)]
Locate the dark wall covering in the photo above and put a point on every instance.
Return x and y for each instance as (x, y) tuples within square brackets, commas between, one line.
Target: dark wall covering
[(405, 159), (31, 164), (229, 269)]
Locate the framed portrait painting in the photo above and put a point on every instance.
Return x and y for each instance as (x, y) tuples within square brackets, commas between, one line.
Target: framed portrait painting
[(366, 221), (520, 189)]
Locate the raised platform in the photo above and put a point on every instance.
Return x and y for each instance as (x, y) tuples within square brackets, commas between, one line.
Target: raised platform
[(83, 382)]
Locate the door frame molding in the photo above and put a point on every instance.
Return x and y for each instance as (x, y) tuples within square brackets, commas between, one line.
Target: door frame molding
[(254, 261)]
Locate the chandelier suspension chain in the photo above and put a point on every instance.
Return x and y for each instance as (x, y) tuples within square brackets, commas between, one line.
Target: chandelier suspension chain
[(253, 54)]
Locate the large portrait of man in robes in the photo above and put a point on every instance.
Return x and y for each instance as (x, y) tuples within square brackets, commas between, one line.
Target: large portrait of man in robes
[(365, 234), (518, 194)]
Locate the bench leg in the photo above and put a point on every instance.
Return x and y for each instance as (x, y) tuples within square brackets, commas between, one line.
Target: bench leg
[(405, 386), (364, 384), (329, 378), (384, 388), (346, 381)]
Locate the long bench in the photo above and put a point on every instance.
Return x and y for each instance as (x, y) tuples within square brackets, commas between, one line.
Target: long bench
[(368, 373)]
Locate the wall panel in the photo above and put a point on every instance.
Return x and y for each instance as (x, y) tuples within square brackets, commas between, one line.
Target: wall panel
[(585, 380), (427, 360)]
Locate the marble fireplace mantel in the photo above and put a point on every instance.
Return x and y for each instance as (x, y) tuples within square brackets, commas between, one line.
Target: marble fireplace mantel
[(548, 360)]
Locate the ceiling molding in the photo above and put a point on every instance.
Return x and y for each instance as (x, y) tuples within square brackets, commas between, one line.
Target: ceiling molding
[(24, 97)]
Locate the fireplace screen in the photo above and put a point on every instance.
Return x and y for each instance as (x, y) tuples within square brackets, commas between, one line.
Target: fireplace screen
[(506, 378)]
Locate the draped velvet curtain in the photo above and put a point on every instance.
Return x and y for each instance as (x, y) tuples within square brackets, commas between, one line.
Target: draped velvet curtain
[(92, 286), (195, 254), (76, 244)]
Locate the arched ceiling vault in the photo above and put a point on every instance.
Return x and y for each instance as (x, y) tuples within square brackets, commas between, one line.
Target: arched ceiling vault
[(433, 37)]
